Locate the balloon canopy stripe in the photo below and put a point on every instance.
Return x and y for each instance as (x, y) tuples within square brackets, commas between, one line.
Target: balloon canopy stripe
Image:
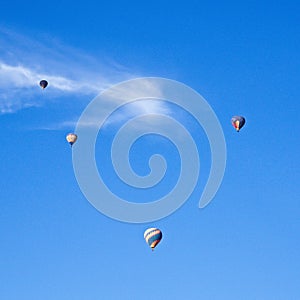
[(153, 245), (151, 234), (153, 238)]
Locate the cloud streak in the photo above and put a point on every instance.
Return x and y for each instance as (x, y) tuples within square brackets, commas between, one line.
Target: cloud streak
[(23, 77), (69, 71), (117, 105)]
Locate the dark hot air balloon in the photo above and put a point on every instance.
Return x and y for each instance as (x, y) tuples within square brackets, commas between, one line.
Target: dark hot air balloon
[(43, 84)]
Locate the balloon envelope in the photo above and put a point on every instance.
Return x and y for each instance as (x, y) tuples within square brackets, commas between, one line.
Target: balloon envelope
[(152, 237), (43, 84), (71, 138), (238, 122)]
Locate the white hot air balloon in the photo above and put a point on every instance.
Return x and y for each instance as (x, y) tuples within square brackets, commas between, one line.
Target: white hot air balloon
[(71, 138)]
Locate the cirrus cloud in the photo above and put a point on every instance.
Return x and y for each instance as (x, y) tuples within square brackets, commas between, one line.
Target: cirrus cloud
[(25, 61)]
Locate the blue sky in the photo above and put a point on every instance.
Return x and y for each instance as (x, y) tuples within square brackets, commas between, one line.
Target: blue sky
[(243, 58)]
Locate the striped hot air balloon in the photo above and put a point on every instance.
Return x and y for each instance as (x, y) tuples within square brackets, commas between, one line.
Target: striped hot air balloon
[(238, 122), (71, 138), (152, 237)]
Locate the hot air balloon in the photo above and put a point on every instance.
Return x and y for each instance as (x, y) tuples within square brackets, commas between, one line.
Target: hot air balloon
[(152, 237), (238, 122), (43, 84), (71, 138)]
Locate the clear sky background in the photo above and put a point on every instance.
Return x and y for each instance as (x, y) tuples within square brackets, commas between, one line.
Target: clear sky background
[(242, 57)]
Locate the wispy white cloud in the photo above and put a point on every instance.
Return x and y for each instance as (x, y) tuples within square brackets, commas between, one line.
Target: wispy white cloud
[(19, 87), (133, 110), (126, 101), (25, 61), (23, 77), (70, 72), (134, 99)]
